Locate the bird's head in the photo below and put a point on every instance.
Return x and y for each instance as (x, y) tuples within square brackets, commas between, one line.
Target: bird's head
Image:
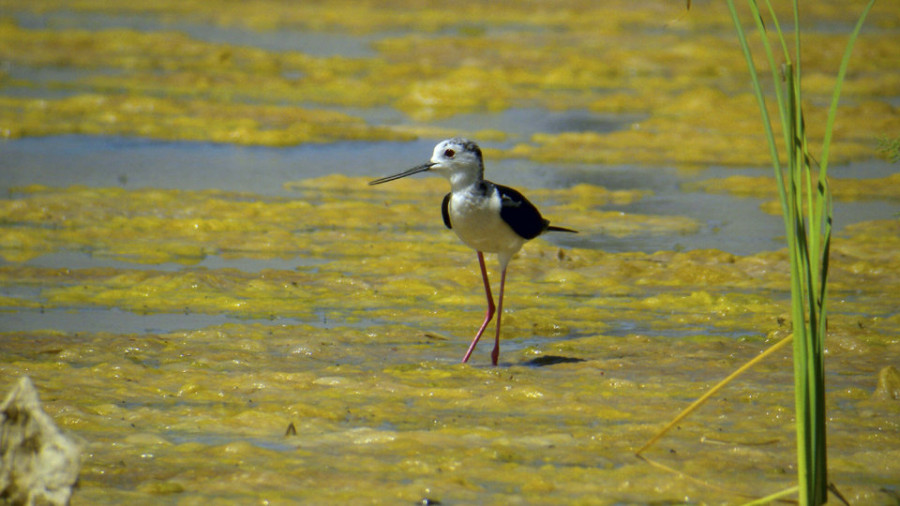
[(457, 159)]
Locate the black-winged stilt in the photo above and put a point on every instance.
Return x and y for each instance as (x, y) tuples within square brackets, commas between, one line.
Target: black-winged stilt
[(487, 217)]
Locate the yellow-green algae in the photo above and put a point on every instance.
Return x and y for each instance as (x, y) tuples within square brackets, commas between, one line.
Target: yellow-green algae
[(729, 138), (842, 189), (381, 409), (153, 225), (173, 119), (202, 414), (361, 351), (846, 189), (678, 69), (355, 17)]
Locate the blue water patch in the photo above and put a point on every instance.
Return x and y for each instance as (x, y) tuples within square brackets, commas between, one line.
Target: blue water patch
[(314, 43)]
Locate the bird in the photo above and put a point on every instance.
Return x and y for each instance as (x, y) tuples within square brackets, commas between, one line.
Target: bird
[(487, 217)]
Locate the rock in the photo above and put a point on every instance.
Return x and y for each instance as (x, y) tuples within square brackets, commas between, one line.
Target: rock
[(37, 461)]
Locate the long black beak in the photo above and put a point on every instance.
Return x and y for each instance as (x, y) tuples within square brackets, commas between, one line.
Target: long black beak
[(410, 172)]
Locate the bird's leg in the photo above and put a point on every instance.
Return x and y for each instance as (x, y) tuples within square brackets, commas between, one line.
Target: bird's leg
[(495, 355), (490, 309)]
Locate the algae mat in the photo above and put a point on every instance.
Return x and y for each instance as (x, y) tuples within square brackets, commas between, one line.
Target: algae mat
[(362, 398), (212, 342)]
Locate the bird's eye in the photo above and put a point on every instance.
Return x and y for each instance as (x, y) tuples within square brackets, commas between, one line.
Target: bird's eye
[(449, 153)]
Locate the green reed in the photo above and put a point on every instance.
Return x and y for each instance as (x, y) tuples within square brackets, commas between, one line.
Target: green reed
[(807, 212)]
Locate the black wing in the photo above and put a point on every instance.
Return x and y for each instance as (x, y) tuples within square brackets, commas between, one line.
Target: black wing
[(445, 210), (520, 214)]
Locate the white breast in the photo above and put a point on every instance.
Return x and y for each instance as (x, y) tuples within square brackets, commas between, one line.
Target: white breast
[(477, 222)]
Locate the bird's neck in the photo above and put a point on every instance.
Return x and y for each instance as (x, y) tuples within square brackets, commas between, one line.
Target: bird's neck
[(460, 181)]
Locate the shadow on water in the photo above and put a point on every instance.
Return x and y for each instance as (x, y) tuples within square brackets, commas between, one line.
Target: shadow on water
[(548, 360)]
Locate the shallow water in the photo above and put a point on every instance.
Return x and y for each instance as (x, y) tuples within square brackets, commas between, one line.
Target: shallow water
[(193, 264)]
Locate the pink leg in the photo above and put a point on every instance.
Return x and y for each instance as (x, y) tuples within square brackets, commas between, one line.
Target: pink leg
[(495, 355), (490, 308)]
